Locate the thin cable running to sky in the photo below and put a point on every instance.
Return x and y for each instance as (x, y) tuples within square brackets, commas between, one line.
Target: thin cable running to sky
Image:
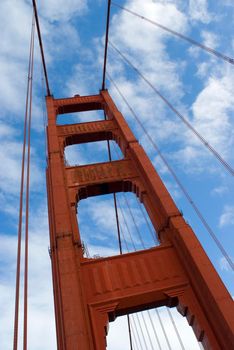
[(106, 44), (182, 118), (25, 327), (154, 330), (153, 233), (41, 47), (179, 35), (17, 286), (118, 233), (185, 192), (154, 239)]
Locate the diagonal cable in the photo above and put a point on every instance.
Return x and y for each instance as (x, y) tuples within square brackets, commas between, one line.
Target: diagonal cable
[(179, 35), (179, 115), (183, 189)]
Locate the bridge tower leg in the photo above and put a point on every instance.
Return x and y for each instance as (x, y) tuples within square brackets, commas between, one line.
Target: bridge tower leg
[(88, 293)]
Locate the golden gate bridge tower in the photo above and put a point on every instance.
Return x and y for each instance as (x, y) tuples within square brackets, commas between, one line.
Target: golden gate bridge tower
[(89, 293)]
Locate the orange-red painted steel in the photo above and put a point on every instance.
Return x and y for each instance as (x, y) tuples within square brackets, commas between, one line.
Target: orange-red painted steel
[(88, 293)]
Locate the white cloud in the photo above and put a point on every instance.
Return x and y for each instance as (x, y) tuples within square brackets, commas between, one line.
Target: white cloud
[(57, 10), (15, 23), (220, 190), (224, 264), (227, 217), (198, 10), (211, 111), (210, 39), (41, 313), (10, 177)]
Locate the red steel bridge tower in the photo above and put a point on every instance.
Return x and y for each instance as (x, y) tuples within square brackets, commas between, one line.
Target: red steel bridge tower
[(89, 293)]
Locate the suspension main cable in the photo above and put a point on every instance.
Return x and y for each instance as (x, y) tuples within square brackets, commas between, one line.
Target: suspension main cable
[(41, 46), (184, 120), (18, 263), (183, 189), (25, 330), (106, 44), (179, 35)]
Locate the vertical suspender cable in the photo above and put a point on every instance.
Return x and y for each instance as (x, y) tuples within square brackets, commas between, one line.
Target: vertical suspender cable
[(108, 145), (17, 285), (147, 331), (137, 333), (169, 312), (127, 227), (163, 329), (135, 339), (153, 235), (25, 332), (175, 328), (119, 237)]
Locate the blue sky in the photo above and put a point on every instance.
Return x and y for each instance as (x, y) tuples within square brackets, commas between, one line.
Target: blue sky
[(199, 85)]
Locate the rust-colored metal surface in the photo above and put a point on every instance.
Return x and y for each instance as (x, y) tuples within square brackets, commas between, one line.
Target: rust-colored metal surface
[(88, 293)]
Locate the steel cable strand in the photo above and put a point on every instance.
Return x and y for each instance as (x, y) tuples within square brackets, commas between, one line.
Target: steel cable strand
[(25, 331), (106, 45), (154, 237), (147, 331), (134, 338), (17, 285), (169, 312), (175, 328), (185, 192), (124, 238), (181, 36), (182, 118), (163, 329), (142, 333), (41, 46), (134, 221), (127, 227), (44, 114), (154, 330), (137, 333), (118, 233)]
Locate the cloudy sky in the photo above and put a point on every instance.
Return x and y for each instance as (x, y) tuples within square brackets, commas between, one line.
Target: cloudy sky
[(199, 85)]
